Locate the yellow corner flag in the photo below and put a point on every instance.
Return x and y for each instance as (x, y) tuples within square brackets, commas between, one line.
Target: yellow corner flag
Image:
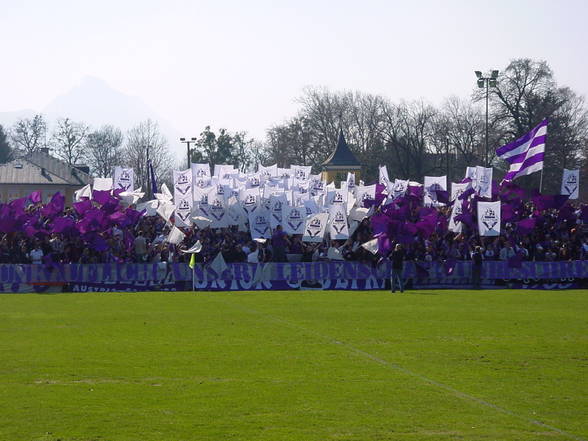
[(192, 263)]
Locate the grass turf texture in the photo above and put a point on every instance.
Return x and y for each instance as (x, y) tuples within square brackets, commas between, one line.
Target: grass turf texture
[(428, 365)]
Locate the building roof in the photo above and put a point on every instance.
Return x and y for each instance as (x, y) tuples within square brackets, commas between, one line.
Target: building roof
[(342, 156), (40, 168)]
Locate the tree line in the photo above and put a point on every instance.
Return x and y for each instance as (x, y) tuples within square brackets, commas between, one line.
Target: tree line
[(413, 138)]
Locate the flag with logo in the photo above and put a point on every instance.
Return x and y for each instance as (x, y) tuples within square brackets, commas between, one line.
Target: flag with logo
[(570, 183), (489, 218), (124, 179), (338, 228), (315, 227)]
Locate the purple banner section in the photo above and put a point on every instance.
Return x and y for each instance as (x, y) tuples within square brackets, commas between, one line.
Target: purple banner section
[(164, 274)]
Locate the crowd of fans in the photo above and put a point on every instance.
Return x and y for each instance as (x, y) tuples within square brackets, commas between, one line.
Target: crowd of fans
[(554, 238)]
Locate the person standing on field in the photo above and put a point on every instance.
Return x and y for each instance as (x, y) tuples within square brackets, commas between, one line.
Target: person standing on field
[(397, 258), (477, 260)]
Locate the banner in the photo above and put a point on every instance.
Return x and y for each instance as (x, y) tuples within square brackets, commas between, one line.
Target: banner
[(455, 226), (489, 218), (200, 175), (338, 228), (458, 189), (433, 184), (315, 227), (483, 184), (277, 203), (400, 187), (259, 224), (290, 275), (570, 183), (183, 197), (293, 219), (124, 179), (383, 176)]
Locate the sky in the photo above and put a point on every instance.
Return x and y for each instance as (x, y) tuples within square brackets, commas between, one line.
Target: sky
[(242, 64)]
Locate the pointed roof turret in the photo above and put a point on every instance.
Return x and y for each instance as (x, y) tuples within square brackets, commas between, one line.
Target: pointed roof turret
[(342, 156)]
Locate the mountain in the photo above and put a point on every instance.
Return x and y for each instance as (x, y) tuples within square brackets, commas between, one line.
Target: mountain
[(94, 102)]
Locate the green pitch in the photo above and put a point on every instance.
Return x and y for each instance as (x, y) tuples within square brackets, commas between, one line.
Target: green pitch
[(427, 365)]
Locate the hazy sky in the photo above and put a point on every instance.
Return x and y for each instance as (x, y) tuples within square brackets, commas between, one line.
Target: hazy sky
[(241, 64)]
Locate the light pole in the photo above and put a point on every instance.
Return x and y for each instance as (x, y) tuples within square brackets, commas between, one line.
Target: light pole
[(486, 82), (188, 142)]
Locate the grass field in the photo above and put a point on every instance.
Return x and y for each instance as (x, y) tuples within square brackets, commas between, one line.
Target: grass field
[(337, 365)]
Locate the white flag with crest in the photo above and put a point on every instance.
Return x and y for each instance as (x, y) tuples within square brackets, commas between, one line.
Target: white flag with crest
[(338, 228), (570, 183), (293, 219), (315, 227), (489, 218), (259, 224), (432, 185), (124, 179), (484, 182)]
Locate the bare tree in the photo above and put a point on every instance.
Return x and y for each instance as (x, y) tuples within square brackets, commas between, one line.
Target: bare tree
[(145, 142), (104, 150), (68, 140), (29, 135)]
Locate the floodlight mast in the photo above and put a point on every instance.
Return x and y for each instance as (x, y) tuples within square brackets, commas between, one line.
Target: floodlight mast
[(486, 82), (188, 142)]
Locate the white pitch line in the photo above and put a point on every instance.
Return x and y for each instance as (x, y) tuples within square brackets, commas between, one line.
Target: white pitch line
[(464, 396)]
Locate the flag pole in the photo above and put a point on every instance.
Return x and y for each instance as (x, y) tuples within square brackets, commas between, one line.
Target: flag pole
[(541, 182)]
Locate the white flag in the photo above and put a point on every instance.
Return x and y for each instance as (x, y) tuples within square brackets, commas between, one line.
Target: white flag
[(259, 224), (314, 228), (383, 176), (432, 185), (201, 222), (399, 188), (194, 249), (365, 193), (84, 192), (216, 209), (301, 172), (457, 189), (293, 219), (266, 173), (124, 179), (183, 212), (484, 182), (337, 197), (338, 228), (456, 226), (371, 246), (249, 199), (277, 203), (150, 207), (175, 236), (489, 218), (570, 183), (102, 184), (165, 194), (165, 210)]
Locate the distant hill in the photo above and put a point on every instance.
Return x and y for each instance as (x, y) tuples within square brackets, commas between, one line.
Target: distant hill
[(96, 103)]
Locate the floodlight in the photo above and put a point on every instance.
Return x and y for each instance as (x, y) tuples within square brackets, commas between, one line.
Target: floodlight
[(182, 139), (492, 82), (478, 74), (194, 139), (494, 74), (481, 84)]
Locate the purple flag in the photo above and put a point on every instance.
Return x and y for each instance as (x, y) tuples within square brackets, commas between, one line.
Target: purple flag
[(525, 155), (35, 197)]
